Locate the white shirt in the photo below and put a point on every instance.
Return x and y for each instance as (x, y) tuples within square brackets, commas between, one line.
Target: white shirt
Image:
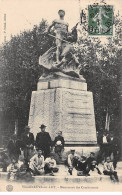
[(51, 161), (70, 158), (108, 166), (104, 140), (37, 160)]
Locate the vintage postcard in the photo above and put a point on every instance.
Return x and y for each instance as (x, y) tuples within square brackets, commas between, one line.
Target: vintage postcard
[(60, 95)]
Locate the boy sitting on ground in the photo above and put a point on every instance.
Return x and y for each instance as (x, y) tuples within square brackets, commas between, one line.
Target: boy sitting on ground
[(25, 172), (108, 169), (13, 170), (92, 163), (82, 167), (72, 161), (50, 165), (37, 163)]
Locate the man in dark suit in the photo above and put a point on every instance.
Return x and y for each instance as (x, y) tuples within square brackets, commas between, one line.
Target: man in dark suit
[(27, 143), (43, 141), (13, 147)]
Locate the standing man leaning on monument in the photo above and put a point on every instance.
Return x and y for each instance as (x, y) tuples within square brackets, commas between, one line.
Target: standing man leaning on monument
[(61, 30), (43, 141), (27, 143)]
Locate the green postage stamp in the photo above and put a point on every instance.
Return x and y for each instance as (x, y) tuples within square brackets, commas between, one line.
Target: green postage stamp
[(100, 20)]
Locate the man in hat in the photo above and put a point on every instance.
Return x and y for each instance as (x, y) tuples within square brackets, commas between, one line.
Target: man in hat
[(61, 30), (27, 143), (43, 141)]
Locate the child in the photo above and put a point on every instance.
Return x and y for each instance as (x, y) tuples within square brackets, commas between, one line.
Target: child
[(59, 143), (92, 164), (72, 161), (108, 169), (50, 165), (37, 163), (13, 170), (82, 167), (25, 172)]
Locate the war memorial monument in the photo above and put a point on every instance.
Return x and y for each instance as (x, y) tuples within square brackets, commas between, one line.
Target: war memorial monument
[(62, 101)]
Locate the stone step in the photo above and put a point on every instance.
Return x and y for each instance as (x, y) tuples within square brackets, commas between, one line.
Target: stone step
[(62, 176)]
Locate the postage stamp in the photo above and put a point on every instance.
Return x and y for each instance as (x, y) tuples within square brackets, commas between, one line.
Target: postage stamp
[(100, 20)]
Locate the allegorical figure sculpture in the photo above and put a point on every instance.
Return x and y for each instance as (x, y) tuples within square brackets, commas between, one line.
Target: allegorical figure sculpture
[(61, 31), (62, 57)]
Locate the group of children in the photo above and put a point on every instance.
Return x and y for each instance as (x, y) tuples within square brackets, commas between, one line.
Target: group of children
[(85, 166), (39, 166), (36, 166)]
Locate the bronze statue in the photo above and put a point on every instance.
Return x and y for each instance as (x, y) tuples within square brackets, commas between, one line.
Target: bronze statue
[(61, 58)]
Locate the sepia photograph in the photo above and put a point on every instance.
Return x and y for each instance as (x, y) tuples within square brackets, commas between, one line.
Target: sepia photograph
[(60, 96)]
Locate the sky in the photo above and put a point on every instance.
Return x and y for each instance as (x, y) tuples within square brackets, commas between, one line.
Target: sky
[(24, 14)]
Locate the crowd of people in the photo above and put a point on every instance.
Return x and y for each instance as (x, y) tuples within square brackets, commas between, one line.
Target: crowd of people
[(39, 157)]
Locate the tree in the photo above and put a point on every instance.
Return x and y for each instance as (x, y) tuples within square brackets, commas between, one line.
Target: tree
[(20, 71), (100, 65)]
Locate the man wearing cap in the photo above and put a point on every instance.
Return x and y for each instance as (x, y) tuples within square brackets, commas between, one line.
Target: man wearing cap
[(43, 141), (27, 139), (72, 160), (61, 30)]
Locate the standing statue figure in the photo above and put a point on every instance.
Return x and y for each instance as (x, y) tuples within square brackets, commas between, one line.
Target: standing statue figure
[(61, 30)]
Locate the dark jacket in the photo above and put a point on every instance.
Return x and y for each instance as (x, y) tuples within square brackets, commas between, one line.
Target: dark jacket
[(81, 166), (59, 138), (14, 147), (27, 140), (43, 140)]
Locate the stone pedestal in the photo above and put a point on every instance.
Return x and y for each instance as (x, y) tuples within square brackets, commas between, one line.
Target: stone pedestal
[(63, 103)]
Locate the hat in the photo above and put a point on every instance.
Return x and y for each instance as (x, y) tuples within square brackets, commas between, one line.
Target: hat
[(84, 157), (72, 150), (27, 127), (42, 126), (61, 10)]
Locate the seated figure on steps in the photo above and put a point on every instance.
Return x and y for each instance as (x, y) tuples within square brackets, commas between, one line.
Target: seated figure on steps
[(108, 169), (82, 167), (92, 163), (50, 165), (37, 163), (72, 161)]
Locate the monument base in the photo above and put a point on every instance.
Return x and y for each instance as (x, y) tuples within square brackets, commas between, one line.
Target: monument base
[(64, 104)]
